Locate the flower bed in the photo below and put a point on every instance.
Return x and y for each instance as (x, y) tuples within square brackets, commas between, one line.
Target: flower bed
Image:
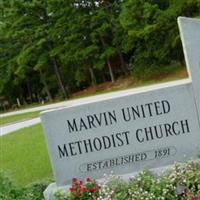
[(181, 182)]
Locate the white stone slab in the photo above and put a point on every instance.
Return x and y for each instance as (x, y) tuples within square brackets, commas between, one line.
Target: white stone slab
[(190, 35), (128, 131), (171, 108)]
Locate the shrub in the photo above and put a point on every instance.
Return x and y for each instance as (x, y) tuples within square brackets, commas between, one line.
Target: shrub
[(10, 191), (182, 182), (87, 190)]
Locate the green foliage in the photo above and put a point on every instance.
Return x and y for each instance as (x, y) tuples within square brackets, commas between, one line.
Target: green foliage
[(10, 191), (153, 34), (53, 48)]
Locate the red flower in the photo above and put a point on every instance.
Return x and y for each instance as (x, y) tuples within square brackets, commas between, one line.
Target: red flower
[(71, 189), (74, 179), (83, 189), (91, 190), (78, 193), (80, 182), (88, 179)]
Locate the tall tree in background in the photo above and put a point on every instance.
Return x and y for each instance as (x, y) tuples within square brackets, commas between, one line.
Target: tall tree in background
[(29, 23), (55, 47), (152, 32), (108, 32)]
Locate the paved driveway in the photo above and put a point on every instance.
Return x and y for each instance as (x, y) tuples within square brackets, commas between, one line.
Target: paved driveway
[(18, 125), (12, 127)]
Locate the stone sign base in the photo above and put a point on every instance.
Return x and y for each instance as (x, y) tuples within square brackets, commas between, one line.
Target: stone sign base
[(52, 189)]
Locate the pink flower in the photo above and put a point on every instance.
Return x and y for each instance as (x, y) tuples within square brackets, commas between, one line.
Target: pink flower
[(195, 198)]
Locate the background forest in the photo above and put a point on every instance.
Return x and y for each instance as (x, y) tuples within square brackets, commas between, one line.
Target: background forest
[(53, 48)]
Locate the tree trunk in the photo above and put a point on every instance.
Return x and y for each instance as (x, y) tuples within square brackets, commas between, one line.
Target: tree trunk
[(103, 76), (58, 74), (112, 77), (29, 91), (45, 86), (92, 75), (59, 77), (122, 63)]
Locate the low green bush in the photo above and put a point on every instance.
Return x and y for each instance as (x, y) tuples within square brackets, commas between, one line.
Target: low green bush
[(10, 191)]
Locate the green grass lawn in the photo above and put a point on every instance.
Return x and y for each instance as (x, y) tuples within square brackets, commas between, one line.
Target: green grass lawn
[(19, 117), (23, 155)]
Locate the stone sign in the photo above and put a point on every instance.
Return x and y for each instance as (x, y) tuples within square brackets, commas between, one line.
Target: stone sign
[(131, 130)]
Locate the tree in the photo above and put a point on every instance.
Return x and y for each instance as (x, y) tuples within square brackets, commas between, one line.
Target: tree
[(55, 47), (152, 33)]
